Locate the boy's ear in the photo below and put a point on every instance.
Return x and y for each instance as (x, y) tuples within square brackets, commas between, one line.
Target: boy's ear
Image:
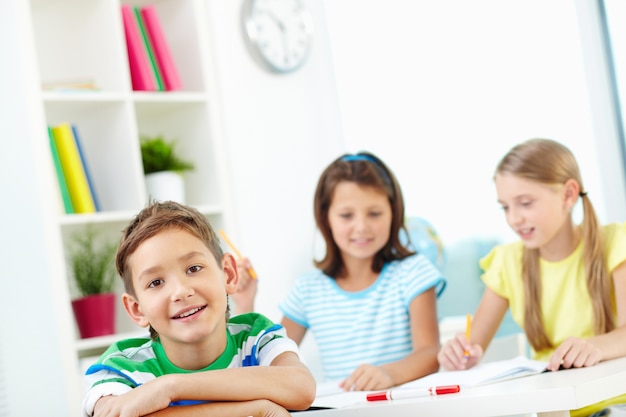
[(131, 305), (229, 266)]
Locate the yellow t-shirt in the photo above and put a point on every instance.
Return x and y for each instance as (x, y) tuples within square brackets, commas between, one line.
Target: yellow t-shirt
[(565, 301)]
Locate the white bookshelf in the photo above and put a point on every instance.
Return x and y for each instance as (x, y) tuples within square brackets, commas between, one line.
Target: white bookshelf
[(83, 40)]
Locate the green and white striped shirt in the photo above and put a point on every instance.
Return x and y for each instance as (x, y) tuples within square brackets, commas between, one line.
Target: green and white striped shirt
[(252, 340)]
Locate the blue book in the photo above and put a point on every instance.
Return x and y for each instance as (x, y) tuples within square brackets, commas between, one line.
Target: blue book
[(83, 159)]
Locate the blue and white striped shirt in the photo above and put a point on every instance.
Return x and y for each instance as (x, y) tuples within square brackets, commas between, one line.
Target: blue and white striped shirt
[(369, 326)]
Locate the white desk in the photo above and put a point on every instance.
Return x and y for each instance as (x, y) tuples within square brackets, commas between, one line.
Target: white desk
[(550, 394)]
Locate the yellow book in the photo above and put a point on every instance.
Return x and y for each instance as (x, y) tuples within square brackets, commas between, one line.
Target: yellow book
[(77, 184)]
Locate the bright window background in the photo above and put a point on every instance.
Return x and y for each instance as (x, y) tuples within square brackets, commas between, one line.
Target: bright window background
[(615, 15), (440, 90)]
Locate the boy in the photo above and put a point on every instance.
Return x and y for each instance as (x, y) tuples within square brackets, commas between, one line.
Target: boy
[(177, 281)]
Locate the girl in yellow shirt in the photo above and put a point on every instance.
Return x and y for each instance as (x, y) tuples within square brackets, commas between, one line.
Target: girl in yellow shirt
[(564, 283)]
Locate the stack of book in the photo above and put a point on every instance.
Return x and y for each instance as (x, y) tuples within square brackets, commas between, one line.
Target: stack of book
[(75, 183), (152, 67)]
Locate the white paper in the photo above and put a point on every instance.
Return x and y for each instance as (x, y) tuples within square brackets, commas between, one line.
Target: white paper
[(483, 373), (330, 395)]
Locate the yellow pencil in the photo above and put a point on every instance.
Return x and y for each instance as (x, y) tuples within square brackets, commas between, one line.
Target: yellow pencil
[(468, 332), (234, 248)]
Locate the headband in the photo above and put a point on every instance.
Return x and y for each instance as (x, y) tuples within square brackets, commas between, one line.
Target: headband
[(368, 158), (359, 157)]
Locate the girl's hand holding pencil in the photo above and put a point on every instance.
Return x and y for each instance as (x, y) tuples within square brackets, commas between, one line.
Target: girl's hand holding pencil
[(468, 334), (246, 290), (251, 271), (458, 353)]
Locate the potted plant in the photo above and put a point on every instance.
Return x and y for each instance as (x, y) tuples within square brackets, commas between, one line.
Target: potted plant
[(92, 268), (163, 169)]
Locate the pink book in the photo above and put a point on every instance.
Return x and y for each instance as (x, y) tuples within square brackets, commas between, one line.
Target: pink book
[(140, 72), (161, 48)]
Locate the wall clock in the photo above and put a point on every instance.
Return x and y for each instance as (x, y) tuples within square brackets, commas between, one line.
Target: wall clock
[(279, 33)]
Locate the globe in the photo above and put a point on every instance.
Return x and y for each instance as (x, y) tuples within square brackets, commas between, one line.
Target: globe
[(423, 238)]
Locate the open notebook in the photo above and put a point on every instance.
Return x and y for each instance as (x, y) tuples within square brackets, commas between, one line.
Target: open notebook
[(483, 373), (330, 395)]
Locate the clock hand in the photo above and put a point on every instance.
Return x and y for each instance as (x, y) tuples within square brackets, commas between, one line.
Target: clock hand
[(276, 20), (283, 34), (285, 47)]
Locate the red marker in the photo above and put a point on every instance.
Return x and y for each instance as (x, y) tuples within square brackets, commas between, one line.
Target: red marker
[(399, 394)]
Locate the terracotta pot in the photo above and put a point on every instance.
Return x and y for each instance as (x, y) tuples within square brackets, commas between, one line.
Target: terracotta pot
[(95, 315)]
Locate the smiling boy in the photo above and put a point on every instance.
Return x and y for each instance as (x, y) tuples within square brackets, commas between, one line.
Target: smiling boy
[(177, 281)]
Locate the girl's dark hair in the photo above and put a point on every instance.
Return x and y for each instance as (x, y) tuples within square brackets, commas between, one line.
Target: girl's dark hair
[(366, 170)]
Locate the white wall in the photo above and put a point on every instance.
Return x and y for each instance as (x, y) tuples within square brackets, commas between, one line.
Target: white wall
[(281, 131), (442, 89), (31, 358)]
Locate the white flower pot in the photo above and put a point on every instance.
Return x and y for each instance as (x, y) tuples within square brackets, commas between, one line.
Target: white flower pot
[(165, 185)]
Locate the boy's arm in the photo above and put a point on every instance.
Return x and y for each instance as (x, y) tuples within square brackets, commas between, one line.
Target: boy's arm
[(256, 408), (286, 382)]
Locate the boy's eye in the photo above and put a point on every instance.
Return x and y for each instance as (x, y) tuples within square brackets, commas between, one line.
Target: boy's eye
[(155, 283), (526, 203), (194, 268)]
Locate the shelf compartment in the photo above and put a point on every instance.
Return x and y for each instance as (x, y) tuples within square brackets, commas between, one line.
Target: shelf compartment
[(80, 42), (186, 123), (108, 136), (178, 21)]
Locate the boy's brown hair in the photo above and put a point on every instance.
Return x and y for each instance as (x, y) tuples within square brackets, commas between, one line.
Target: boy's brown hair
[(154, 218)]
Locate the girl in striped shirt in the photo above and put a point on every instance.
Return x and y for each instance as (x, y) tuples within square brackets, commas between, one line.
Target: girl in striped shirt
[(371, 302)]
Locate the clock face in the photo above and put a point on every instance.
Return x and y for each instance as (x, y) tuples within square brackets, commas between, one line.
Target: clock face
[(279, 33)]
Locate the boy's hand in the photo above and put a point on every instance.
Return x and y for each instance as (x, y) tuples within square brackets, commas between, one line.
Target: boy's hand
[(452, 357), (367, 378), (246, 291), (145, 399)]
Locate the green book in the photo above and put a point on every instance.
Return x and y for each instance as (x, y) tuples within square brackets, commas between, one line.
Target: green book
[(65, 194), (160, 86)]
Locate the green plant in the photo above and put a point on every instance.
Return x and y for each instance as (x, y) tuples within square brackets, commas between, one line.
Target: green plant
[(157, 155), (92, 263)]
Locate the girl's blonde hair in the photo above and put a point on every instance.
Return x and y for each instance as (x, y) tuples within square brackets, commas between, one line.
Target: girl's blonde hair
[(549, 162)]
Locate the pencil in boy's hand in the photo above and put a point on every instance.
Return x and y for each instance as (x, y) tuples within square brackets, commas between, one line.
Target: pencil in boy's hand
[(468, 332), (237, 253)]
